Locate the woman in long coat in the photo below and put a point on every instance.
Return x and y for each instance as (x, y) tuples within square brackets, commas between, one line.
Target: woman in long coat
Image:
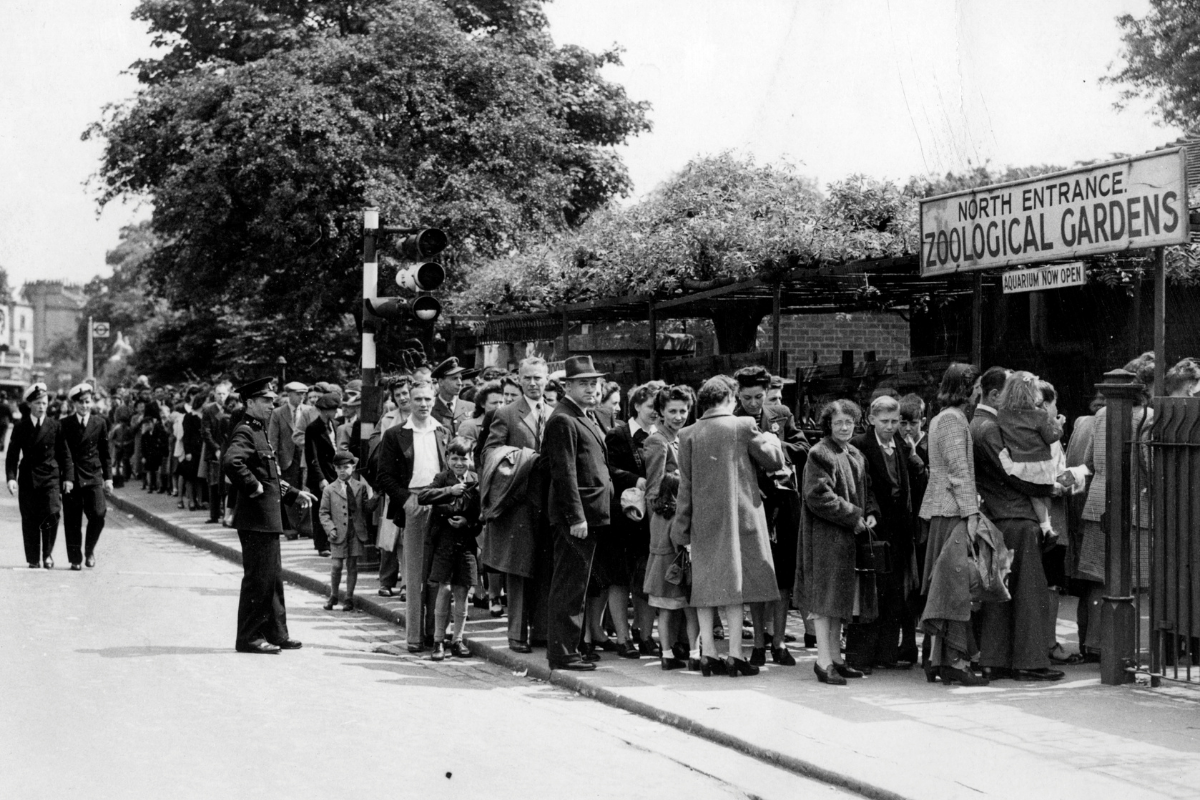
[(719, 512), (837, 507), (951, 510)]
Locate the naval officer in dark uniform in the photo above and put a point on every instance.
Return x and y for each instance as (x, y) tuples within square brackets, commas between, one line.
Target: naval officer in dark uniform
[(39, 467), (249, 463), (86, 437)]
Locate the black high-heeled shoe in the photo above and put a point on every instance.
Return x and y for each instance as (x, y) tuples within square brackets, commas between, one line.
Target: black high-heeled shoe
[(711, 666), (831, 677), (738, 666), (693, 664), (964, 676), (931, 673), (669, 663)]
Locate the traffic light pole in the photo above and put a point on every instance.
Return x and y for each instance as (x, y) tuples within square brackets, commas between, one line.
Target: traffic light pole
[(369, 414), (91, 372)]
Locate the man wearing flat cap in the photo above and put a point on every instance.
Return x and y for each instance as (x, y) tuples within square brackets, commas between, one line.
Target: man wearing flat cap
[(579, 506), (448, 409), (279, 434), (37, 457), (86, 436), (249, 463)]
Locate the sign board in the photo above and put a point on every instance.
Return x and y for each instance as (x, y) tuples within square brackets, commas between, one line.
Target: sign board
[(99, 330), (1055, 276), (1132, 203)]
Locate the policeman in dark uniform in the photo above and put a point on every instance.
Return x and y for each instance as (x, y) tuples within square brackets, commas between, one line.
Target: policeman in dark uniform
[(250, 465)]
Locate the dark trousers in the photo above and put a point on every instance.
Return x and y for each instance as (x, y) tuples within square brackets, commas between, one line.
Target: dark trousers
[(877, 642), (261, 612), (568, 590), (39, 521), (1013, 634), (84, 501), (215, 493)]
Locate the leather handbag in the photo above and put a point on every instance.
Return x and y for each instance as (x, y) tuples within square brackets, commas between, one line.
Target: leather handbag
[(679, 572), (872, 555)]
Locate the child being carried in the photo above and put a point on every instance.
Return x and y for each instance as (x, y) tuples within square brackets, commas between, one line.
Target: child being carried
[(1031, 429)]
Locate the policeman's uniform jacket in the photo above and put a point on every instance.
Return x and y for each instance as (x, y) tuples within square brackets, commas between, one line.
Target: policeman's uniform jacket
[(250, 463)]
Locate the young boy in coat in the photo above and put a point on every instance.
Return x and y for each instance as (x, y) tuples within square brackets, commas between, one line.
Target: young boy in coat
[(346, 508), (454, 495)]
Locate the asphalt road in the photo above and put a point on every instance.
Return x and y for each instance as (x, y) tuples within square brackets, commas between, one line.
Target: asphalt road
[(122, 682)]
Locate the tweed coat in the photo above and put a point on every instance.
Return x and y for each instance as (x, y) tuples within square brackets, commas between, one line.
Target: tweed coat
[(836, 496), (950, 490), (719, 509), (279, 434)]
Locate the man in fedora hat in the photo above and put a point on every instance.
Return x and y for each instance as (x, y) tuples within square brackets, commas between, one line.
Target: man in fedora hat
[(37, 456), (579, 505), (86, 437), (448, 408), (251, 467)]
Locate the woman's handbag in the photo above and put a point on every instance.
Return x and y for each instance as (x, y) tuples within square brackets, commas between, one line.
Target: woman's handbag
[(872, 555), (679, 573)]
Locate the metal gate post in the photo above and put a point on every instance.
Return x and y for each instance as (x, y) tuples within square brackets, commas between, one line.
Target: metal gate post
[(1118, 616)]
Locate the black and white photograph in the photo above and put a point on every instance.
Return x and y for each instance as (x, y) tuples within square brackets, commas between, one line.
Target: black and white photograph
[(607, 400)]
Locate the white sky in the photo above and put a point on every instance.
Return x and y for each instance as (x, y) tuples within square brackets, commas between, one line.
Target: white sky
[(889, 88)]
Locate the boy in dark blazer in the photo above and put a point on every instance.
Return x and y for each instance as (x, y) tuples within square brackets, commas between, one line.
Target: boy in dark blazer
[(37, 457), (876, 644), (579, 506), (86, 437)]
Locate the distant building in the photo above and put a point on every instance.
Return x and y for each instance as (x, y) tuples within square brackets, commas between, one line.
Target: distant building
[(16, 344), (57, 309)]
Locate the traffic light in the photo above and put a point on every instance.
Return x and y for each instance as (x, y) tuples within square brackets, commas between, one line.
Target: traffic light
[(422, 276), (424, 307)]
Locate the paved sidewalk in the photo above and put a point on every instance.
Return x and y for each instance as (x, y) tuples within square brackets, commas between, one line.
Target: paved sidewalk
[(889, 735)]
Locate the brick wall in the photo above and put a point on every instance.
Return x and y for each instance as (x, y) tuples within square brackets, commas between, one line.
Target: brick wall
[(829, 334)]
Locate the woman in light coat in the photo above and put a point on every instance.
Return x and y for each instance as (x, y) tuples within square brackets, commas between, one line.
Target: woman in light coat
[(661, 453), (719, 513), (951, 511)]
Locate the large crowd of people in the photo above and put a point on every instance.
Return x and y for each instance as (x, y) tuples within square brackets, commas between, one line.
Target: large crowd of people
[(595, 518)]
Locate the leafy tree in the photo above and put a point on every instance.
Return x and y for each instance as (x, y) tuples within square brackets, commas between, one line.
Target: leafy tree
[(269, 124), (720, 219), (1161, 61)]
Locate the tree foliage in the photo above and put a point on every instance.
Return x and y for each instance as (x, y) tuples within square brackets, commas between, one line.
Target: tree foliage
[(268, 125), (721, 218), (1161, 60)]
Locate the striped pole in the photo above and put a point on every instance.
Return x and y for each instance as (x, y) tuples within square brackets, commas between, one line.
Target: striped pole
[(369, 413)]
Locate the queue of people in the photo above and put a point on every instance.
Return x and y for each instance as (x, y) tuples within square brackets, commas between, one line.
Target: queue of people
[(536, 497)]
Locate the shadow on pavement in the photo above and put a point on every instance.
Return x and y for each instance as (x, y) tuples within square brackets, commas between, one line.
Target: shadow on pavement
[(158, 650)]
